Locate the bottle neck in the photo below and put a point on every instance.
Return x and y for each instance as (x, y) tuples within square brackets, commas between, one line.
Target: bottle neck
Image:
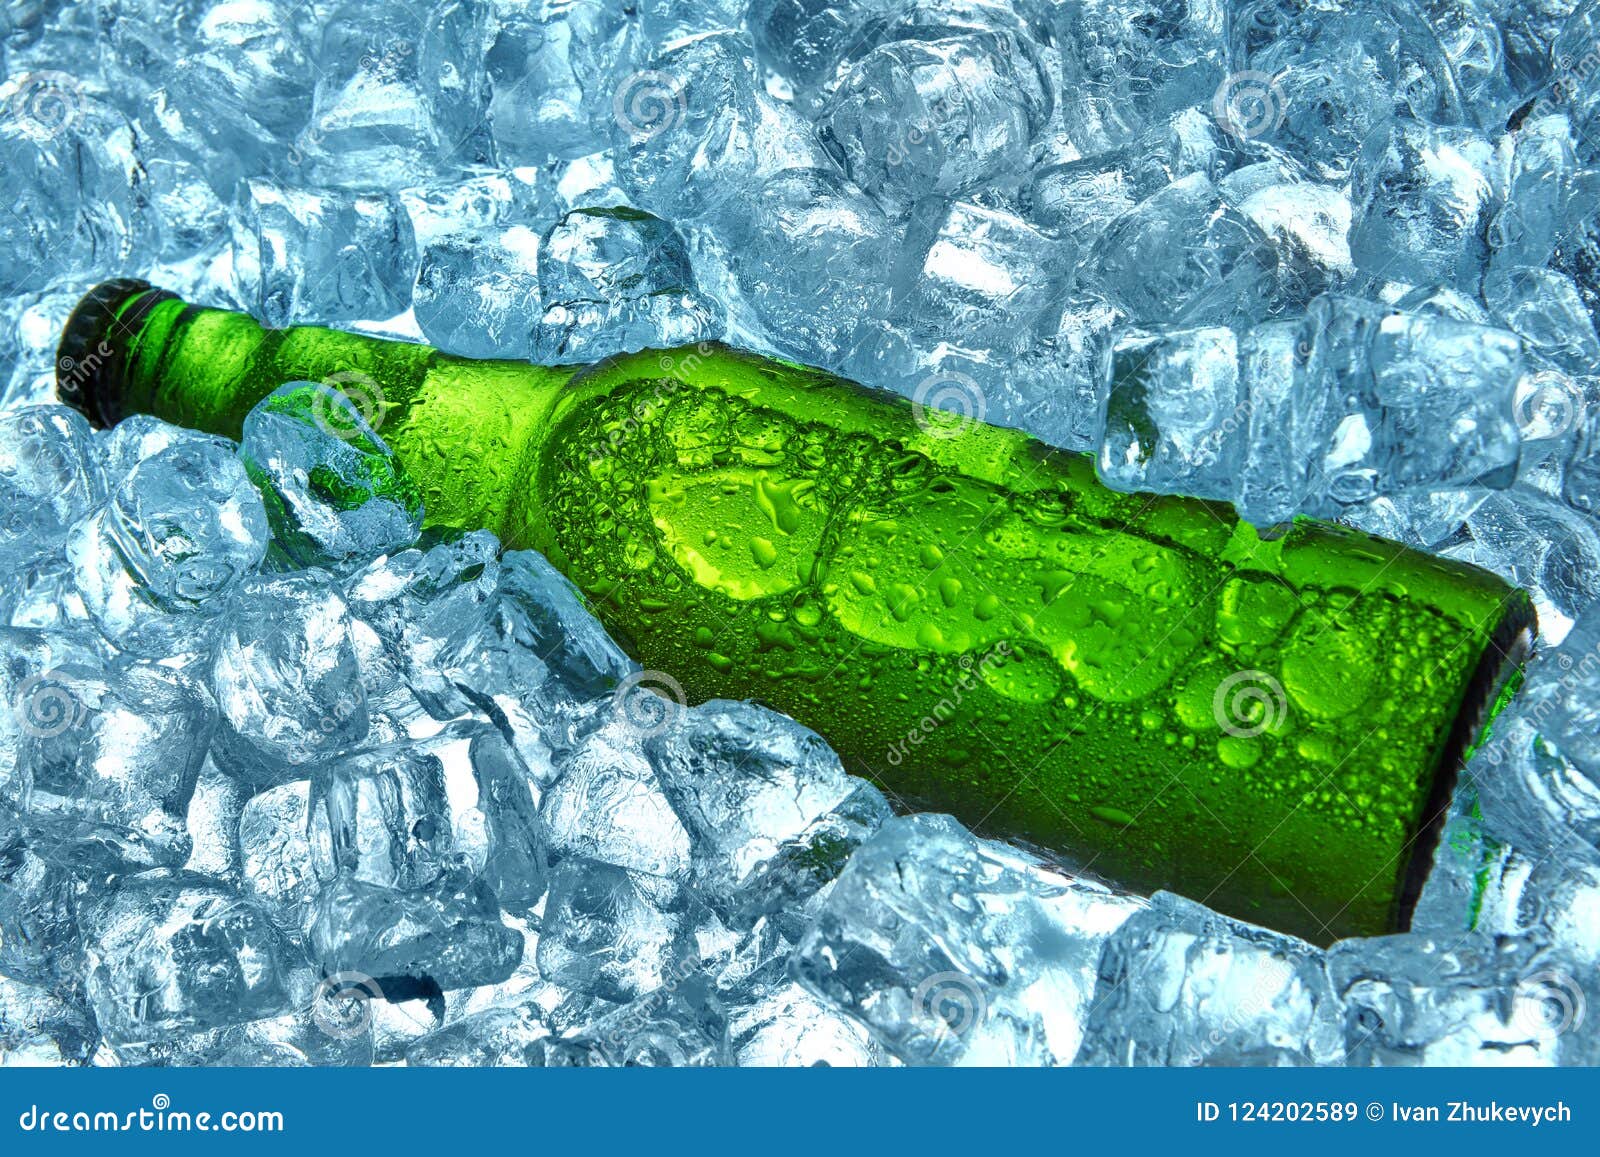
[(133, 349)]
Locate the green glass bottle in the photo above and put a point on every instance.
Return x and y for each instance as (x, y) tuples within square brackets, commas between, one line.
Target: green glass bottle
[(1140, 683)]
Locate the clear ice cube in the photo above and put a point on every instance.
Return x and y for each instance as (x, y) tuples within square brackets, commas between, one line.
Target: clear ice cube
[(414, 943), (613, 281), (171, 952), (477, 291), (311, 256), (602, 936), (335, 494), (49, 477), (286, 679), (1181, 985), (111, 776), (180, 530), (951, 950)]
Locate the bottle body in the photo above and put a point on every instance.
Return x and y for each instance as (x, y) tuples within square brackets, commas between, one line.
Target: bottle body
[(1141, 683)]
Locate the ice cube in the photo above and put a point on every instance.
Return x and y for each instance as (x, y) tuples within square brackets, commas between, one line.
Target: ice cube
[(1545, 309), (286, 678), (140, 436), (1129, 62), (1560, 698), (419, 602), (71, 165), (1577, 247), (516, 865), (615, 281), (536, 656), (680, 1025), (41, 1029), (670, 22), (1475, 1000), (477, 291), (33, 704), (1308, 225), (1181, 985), (49, 476), (1572, 54), (479, 198), (112, 775), (939, 117), (1184, 255), (1469, 34), (336, 496), (181, 529), (787, 888), (307, 256), (39, 900), (682, 127), (985, 279), (1543, 166), (774, 1022), (1075, 196), (172, 952), (183, 213), (951, 950), (809, 257), (602, 936), (1379, 382), (555, 68), (1539, 543), (1424, 196), (414, 943), (233, 80), (1175, 413), (400, 92), (275, 851), (608, 804), (382, 817), (1413, 76), (747, 781), (493, 1037), (804, 40)]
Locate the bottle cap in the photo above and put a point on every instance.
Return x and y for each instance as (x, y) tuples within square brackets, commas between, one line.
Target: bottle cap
[(88, 363)]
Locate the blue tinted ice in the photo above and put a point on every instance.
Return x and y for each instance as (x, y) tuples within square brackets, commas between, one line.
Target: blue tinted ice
[(171, 952), (335, 494), (288, 778), (615, 281), (305, 254)]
